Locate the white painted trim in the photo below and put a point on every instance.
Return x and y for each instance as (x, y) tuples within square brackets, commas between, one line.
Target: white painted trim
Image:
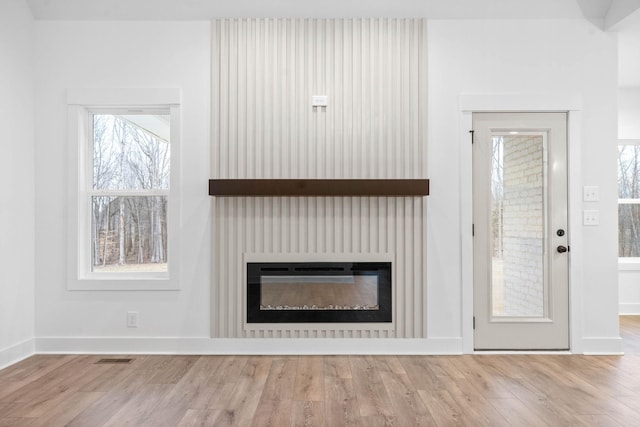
[(524, 352), (80, 103), (314, 257), (123, 96), (629, 309), (466, 221), (284, 346), (625, 264), (575, 230), (361, 326), (16, 353), (520, 102), (602, 346), (318, 257), (249, 346), (571, 103)]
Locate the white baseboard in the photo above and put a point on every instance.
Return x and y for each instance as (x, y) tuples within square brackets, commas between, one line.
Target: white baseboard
[(272, 346), (602, 346), (16, 353), (207, 346), (629, 308)]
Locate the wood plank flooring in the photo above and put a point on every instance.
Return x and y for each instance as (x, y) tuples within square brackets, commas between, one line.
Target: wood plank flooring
[(472, 390)]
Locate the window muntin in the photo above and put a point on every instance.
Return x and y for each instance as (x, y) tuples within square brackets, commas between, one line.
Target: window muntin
[(129, 191), (629, 201)]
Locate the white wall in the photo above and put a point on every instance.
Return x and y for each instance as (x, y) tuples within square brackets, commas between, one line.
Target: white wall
[(530, 57), (629, 113), (16, 181), (629, 128), (107, 55), (521, 56)]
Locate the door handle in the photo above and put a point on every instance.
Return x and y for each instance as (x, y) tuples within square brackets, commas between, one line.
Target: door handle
[(562, 249)]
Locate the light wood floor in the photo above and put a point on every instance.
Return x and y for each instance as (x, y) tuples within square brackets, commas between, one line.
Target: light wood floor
[(478, 390)]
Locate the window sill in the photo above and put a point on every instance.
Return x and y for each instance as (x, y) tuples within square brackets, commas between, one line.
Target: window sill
[(629, 264), (124, 284)]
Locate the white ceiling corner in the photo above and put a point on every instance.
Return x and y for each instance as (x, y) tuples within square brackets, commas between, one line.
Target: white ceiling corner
[(619, 14), (595, 11)]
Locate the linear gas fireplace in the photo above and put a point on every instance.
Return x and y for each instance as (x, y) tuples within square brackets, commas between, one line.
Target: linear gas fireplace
[(303, 292)]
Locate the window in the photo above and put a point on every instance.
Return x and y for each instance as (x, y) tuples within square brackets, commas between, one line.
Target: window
[(131, 157), (629, 200), (124, 233)]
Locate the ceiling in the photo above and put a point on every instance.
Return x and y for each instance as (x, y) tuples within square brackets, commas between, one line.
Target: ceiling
[(207, 9), (617, 15)]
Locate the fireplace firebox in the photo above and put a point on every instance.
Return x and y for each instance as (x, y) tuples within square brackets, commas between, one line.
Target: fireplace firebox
[(307, 292)]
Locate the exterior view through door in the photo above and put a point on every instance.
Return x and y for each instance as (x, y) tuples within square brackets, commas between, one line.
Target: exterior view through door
[(521, 245)]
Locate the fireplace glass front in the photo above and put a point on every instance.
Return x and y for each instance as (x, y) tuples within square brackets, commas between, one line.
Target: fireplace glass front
[(318, 292)]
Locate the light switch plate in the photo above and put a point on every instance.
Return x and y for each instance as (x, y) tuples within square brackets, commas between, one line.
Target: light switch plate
[(591, 217), (319, 100), (132, 319), (591, 193)]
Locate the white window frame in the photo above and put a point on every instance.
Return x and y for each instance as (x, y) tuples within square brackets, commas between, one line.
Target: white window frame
[(628, 263), (82, 104)]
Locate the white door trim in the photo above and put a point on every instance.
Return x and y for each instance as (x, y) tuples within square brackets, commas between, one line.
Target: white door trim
[(570, 103)]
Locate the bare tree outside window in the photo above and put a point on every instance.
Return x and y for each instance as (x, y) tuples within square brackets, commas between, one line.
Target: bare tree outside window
[(131, 166), (629, 201)]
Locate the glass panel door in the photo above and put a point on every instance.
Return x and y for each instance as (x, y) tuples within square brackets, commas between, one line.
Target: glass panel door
[(518, 224), (520, 243)]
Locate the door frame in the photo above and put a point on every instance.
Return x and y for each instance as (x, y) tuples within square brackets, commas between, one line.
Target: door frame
[(526, 103), (546, 135)]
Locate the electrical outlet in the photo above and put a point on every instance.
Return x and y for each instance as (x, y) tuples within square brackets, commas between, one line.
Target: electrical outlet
[(132, 319), (590, 193), (591, 217)]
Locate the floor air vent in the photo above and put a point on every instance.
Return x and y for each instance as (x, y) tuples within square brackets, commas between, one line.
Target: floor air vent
[(114, 361)]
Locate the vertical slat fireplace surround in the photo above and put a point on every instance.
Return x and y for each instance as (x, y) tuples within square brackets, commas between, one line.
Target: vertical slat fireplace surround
[(264, 73)]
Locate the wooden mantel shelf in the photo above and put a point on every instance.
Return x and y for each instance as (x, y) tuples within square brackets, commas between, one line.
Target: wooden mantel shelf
[(319, 187)]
